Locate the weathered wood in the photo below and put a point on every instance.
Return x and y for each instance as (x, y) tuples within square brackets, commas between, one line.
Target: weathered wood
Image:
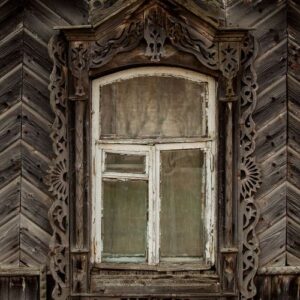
[(278, 287), (293, 168), (11, 84), (10, 125)]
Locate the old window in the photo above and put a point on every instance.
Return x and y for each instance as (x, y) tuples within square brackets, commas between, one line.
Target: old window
[(153, 163)]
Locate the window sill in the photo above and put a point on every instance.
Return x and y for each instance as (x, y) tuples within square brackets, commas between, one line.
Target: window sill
[(161, 267)]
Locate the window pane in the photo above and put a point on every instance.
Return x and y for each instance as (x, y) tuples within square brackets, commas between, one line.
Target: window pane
[(124, 218), (153, 106), (182, 200), (125, 163)]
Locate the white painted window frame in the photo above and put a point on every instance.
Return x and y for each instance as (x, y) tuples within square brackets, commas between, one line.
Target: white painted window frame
[(151, 148)]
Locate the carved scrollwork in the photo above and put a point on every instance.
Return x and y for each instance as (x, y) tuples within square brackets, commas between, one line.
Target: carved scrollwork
[(129, 37), (156, 26), (57, 178), (186, 39), (250, 175)]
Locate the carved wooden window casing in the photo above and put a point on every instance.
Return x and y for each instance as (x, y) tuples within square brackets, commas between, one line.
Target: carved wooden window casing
[(153, 139), (156, 35)]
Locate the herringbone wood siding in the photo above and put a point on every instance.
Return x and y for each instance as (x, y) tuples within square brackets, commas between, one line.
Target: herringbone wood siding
[(25, 124), (293, 171), (268, 18)]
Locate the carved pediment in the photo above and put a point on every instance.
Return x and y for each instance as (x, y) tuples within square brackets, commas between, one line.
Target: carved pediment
[(155, 25)]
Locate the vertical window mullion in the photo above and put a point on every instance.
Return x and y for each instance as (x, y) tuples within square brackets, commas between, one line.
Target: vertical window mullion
[(98, 206), (153, 229), (209, 205), (157, 201)]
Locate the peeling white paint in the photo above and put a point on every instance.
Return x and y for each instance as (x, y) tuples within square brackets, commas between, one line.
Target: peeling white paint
[(151, 148)]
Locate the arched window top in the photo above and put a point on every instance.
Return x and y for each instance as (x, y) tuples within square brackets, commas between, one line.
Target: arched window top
[(155, 102)]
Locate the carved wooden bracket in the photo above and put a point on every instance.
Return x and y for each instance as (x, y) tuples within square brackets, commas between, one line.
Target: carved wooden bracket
[(152, 29)]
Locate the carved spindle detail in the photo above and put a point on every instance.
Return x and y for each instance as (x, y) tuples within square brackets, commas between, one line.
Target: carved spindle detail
[(228, 236), (79, 174)]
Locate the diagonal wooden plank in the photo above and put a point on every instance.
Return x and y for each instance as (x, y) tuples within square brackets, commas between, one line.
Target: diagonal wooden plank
[(10, 200), (274, 96), (273, 238), (11, 87), (293, 237), (34, 241), (273, 170), (36, 131), (10, 164), (271, 138), (35, 205), (34, 167), (10, 126), (272, 207), (36, 94), (9, 241)]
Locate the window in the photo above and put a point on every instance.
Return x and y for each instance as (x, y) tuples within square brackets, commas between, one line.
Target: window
[(154, 171)]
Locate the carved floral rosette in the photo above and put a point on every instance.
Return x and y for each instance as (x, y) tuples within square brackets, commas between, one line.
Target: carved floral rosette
[(250, 179), (57, 178)]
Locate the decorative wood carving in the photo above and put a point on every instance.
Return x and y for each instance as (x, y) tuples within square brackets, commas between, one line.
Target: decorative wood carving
[(124, 39), (79, 68), (153, 28), (249, 180), (187, 39), (229, 262), (58, 174), (155, 33), (229, 56)]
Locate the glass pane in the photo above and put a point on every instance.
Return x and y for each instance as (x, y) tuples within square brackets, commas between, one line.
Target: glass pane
[(116, 162), (153, 106), (182, 201), (124, 218)]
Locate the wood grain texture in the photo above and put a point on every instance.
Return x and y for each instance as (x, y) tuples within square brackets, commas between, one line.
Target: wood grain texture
[(293, 133), (269, 20), (278, 287), (21, 287), (25, 124)]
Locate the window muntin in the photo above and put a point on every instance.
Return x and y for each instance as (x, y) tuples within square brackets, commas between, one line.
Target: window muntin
[(153, 148)]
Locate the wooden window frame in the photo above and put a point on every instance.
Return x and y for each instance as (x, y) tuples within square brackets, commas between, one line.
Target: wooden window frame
[(153, 34), (207, 143)]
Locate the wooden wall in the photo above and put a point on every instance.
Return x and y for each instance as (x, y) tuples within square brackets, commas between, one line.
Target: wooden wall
[(25, 124), (26, 117), (19, 287)]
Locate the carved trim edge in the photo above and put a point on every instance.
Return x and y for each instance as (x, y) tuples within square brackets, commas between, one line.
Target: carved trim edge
[(250, 178), (57, 178)]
